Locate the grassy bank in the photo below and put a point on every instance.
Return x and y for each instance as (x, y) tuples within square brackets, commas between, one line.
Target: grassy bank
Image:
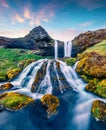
[(10, 59)]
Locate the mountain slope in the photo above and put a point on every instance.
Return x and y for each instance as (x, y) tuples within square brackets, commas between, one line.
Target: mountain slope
[(37, 39)]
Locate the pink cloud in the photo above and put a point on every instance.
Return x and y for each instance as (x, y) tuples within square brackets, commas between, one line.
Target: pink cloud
[(27, 13), (18, 18), (4, 3), (44, 14), (86, 24)]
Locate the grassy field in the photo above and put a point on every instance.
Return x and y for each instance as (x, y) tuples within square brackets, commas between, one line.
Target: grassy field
[(99, 48), (10, 59)]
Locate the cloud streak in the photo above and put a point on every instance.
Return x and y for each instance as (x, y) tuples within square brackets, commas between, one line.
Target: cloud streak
[(4, 3), (44, 14), (86, 24), (18, 18), (27, 13)]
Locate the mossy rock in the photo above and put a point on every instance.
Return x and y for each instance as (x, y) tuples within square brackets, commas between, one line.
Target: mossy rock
[(25, 63), (85, 78), (14, 100), (70, 61), (101, 88), (90, 87), (97, 87), (99, 110), (92, 64), (13, 73), (51, 102), (6, 86)]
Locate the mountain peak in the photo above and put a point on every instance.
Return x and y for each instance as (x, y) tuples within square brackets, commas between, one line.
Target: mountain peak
[(38, 28), (38, 33)]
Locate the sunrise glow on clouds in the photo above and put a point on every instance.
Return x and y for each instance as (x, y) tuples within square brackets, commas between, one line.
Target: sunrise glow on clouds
[(63, 20)]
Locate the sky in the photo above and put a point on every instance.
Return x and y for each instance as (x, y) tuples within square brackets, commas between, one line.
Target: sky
[(62, 19)]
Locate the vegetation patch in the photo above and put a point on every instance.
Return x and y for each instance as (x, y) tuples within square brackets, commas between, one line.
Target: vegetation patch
[(70, 61), (14, 100), (13, 60)]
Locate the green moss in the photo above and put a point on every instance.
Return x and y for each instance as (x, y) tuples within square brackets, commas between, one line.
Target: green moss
[(92, 64), (99, 110), (85, 78), (14, 101), (97, 87), (70, 61), (101, 88)]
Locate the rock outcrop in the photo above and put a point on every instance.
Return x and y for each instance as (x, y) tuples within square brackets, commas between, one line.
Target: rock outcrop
[(6, 86), (87, 39)]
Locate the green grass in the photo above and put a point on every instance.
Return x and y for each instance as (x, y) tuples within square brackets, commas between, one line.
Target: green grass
[(99, 48), (10, 58)]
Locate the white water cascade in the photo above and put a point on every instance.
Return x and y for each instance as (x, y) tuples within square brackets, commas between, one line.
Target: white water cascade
[(56, 49), (67, 49)]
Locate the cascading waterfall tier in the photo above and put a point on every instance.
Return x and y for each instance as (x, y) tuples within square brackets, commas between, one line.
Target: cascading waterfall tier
[(67, 49), (46, 77)]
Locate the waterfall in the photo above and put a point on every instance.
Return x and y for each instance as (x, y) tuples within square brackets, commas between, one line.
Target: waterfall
[(51, 75), (56, 49), (67, 49), (55, 77)]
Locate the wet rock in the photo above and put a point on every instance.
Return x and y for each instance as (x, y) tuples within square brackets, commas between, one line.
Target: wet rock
[(51, 103), (14, 101), (39, 77), (6, 86), (54, 80), (64, 84), (99, 110)]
